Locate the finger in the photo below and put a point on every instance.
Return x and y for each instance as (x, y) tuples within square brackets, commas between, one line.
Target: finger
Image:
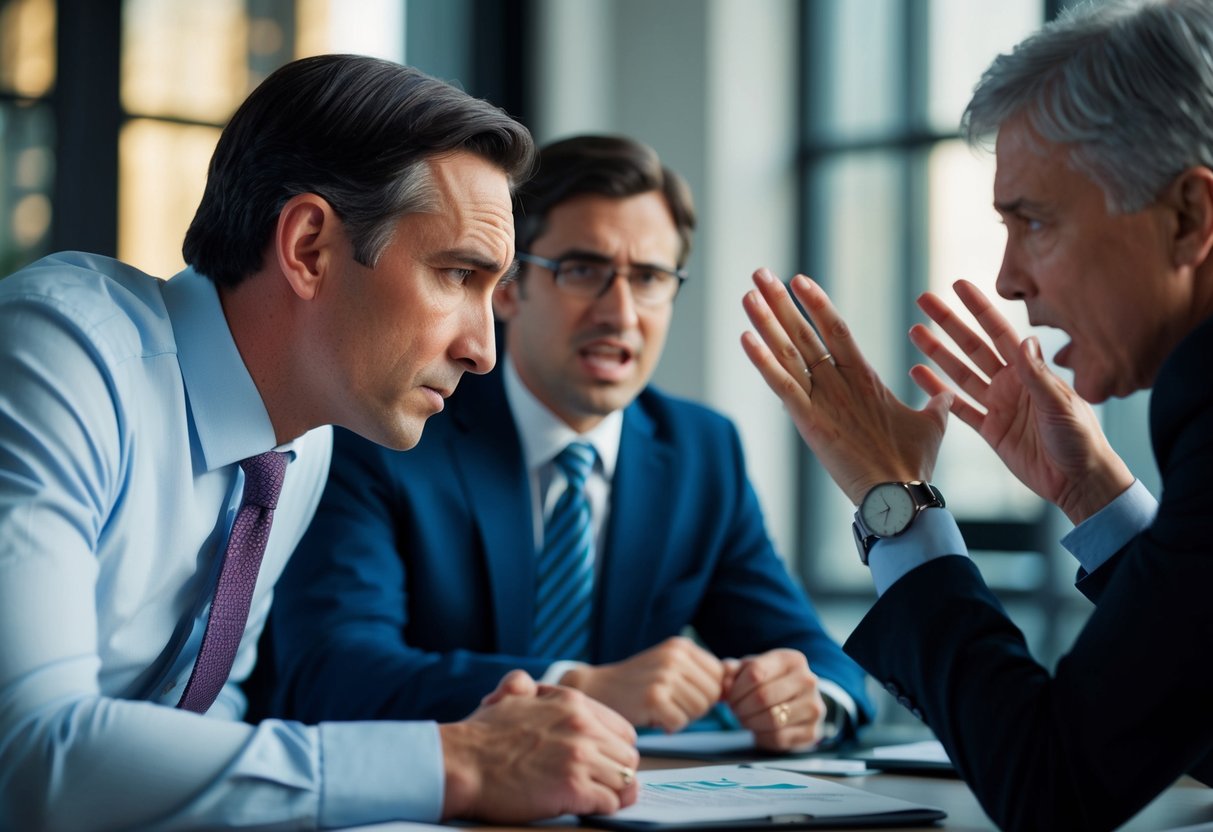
[(933, 385), (838, 340), (973, 385), (1042, 384), (1006, 339), (514, 683), (770, 678), (793, 392), (972, 345), (731, 668), (785, 739), (794, 342), (613, 722)]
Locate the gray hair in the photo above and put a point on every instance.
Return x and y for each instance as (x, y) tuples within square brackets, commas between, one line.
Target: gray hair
[(1128, 84)]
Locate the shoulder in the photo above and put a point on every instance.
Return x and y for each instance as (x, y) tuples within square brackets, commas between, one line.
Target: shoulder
[(115, 308), (673, 416)]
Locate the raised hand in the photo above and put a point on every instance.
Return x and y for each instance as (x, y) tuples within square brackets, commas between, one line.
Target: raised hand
[(1039, 427), (537, 751), (668, 686), (856, 427)]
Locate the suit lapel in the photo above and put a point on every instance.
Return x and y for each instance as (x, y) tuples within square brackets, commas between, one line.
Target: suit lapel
[(486, 450), (641, 495)]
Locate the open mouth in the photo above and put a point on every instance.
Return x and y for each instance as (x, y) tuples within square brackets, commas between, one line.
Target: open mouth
[(606, 360)]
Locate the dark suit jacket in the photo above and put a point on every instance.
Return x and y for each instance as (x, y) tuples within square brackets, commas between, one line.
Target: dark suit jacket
[(1130, 707), (411, 594)]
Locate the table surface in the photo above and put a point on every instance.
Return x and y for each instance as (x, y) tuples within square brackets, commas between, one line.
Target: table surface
[(1187, 803)]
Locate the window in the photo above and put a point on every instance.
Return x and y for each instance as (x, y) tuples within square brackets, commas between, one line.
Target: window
[(110, 109), (27, 77), (895, 203)]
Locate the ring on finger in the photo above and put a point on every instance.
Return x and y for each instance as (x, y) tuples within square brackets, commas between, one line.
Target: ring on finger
[(626, 775), (780, 713), (818, 362)]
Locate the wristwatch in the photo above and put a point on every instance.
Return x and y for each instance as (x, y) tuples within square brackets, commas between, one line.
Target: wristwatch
[(889, 509)]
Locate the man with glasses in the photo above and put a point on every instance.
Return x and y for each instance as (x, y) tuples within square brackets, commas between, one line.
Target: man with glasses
[(561, 516)]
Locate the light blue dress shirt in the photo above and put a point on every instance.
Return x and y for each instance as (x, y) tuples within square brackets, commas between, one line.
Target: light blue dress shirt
[(124, 408), (935, 534)]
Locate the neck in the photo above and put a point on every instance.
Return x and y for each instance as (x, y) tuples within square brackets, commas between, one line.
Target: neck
[(259, 316)]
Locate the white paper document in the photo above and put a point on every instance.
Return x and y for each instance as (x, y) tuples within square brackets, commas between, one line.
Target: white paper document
[(929, 751), (923, 757), (727, 795)]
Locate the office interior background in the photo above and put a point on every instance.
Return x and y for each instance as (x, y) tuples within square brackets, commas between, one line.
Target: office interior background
[(819, 136)]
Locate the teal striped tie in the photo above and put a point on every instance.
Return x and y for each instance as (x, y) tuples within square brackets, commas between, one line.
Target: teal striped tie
[(564, 573)]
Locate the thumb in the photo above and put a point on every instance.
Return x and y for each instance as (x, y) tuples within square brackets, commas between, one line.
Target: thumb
[(939, 405), (514, 683), (1042, 385)]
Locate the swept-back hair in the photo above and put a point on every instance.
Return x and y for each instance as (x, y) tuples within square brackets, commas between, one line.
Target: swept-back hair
[(1127, 84), (614, 166), (355, 130)]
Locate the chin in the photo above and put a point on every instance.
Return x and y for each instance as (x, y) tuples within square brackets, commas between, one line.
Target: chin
[(399, 435)]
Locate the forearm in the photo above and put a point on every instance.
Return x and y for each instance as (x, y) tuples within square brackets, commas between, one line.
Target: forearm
[(89, 762)]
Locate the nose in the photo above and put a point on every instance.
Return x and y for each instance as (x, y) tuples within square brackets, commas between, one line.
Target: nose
[(1012, 282), (615, 305), (476, 349)]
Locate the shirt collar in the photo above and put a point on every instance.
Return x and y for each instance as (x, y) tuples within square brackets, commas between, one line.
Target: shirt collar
[(544, 435), (230, 419)]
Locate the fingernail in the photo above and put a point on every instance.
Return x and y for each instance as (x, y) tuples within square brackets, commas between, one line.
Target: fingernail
[(1034, 346), (764, 275)]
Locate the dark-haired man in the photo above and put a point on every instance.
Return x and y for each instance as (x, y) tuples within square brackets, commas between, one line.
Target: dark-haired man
[(162, 448), (428, 574)]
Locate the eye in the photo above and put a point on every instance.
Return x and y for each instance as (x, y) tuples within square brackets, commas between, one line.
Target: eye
[(459, 276), (579, 270), (647, 276)]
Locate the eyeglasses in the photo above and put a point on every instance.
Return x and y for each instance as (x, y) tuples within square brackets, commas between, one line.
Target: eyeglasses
[(588, 278)]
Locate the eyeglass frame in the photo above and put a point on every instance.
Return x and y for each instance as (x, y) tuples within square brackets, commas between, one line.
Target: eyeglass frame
[(553, 265)]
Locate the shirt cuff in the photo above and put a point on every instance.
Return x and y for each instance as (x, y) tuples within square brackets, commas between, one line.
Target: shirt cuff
[(556, 671), (934, 534), (845, 711), (379, 771), (1106, 532)]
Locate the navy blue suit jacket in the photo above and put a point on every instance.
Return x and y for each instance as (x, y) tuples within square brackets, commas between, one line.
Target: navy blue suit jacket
[(411, 595), (1130, 707)]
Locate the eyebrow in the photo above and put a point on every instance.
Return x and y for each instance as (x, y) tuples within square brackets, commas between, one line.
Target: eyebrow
[(1017, 206), (475, 259)]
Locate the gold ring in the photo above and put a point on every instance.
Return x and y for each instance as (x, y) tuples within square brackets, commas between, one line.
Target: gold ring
[(780, 712), (627, 775), (821, 360)]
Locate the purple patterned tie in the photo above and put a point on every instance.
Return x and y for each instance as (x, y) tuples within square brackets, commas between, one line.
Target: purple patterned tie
[(234, 592)]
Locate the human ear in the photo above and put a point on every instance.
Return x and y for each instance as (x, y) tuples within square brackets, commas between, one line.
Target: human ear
[(505, 299), (304, 242), (1191, 197)]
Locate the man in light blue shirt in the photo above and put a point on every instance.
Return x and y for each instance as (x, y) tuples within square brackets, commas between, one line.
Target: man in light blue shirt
[(355, 223), (1104, 181)]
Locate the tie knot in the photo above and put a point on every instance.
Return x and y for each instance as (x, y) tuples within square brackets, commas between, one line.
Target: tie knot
[(575, 462), (263, 476)]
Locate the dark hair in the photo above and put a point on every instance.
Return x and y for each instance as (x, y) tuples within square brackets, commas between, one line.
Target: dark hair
[(606, 165), (1127, 85), (355, 130)]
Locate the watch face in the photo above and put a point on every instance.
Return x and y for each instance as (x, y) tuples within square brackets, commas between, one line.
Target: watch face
[(887, 509)]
